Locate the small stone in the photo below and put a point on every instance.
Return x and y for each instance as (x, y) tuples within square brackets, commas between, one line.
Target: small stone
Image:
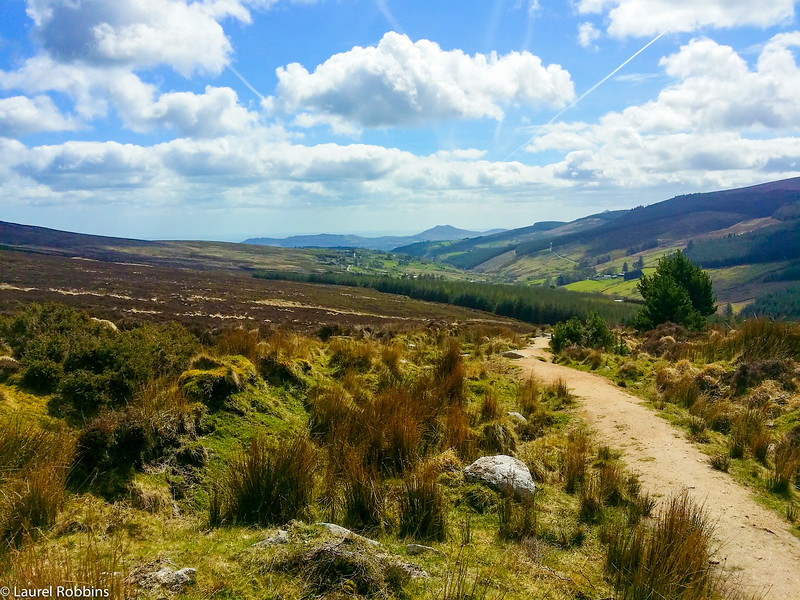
[(340, 531), (414, 549), (517, 417), (282, 537)]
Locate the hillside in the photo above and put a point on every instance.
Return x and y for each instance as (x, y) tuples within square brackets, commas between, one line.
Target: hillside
[(385, 243), (747, 237)]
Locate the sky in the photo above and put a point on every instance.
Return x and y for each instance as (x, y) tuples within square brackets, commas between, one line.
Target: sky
[(228, 119)]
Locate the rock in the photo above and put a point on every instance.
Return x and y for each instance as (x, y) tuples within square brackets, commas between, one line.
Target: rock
[(517, 417), (414, 549), (165, 577), (512, 354), (501, 471), (9, 364), (343, 532), (282, 537), (107, 324)]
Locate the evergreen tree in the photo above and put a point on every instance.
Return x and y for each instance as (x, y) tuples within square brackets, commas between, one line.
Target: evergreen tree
[(678, 291)]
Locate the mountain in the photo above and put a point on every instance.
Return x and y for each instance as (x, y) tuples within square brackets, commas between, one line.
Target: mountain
[(384, 243), (749, 238)]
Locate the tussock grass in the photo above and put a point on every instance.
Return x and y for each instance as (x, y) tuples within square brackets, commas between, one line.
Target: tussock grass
[(266, 483), (667, 559), (92, 563), (34, 464), (422, 507), (575, 459)]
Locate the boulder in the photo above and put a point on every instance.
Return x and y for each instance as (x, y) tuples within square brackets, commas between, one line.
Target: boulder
[(501, 472), (512, 354)]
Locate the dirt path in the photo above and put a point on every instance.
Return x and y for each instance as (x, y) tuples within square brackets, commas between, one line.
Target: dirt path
[(756, 546)]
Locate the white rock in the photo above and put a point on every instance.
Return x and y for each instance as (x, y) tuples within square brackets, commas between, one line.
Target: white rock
[(414, 549), (501, 471), (517, 417), (282, 537), (340, 531)]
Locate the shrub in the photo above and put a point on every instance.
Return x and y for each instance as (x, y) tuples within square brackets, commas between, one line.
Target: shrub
[(267, 483), (593, 333)]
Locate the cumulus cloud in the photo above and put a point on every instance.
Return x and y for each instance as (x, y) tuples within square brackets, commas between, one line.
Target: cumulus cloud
[(649, 17), (140, 107), (401, 83), (704, 129), (20, 115), (137, 33)]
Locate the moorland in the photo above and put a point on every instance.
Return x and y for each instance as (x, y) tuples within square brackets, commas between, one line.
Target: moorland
[(199, 419)]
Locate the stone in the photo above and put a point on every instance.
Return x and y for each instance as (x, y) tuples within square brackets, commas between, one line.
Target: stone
[(512, 354), (414, 549), (517, 417), (165, 577), (501, 471), (343, 532), (282, 537)]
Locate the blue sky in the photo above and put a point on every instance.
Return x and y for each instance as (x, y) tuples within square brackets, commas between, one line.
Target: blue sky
[(226, 119)]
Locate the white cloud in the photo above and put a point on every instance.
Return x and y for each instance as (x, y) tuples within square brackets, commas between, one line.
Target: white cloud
[(137, 33), (703, 130), (20, 115), (400, 83), (138, 104), (587, 34), (650, 17)]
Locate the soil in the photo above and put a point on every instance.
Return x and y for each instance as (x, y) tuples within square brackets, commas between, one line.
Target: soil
[(756, 551)]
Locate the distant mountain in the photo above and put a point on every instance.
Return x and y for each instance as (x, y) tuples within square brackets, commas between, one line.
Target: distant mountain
[(384, 243), (757, 226)]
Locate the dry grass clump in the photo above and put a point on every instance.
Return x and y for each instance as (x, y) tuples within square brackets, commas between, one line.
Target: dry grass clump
[(364, 503), (785, 464), (670, 558), (34, 464), (346, 568), (266, 483), (749, 433), (575, 459), (91, 563), (422, 507), (240, 342)]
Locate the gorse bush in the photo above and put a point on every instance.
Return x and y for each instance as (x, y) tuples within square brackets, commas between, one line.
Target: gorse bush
[(591, 333), (90, 364)]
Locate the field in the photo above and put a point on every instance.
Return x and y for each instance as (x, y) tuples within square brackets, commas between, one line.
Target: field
[(126, 292)]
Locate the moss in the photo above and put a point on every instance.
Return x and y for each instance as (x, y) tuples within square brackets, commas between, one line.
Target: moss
[(214, 381)]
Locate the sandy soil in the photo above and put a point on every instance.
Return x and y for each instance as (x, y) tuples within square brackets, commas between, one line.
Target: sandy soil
[(755, 546)]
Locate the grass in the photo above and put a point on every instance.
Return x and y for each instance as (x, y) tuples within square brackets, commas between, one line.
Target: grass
[(374, 439), (670, 558)]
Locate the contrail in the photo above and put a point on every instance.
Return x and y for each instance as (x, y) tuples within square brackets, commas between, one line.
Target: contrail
[(383, 7), (247, 83), (594, 87)]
